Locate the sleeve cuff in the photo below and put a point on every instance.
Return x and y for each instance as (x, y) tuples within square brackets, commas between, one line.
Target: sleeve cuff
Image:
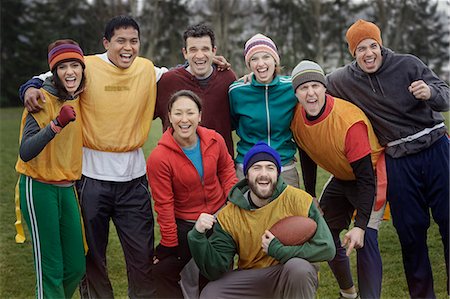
[(35, 82), (274, 246)]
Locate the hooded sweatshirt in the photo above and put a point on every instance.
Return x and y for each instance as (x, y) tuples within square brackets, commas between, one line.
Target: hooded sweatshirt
[(176, 186), (240, 226), (384, 97)]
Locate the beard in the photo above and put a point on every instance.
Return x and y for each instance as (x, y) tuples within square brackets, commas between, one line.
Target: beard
[(262, 193)]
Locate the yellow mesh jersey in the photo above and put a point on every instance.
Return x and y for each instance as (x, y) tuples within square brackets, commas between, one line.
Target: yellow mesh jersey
[(324, 142), (253, 223), (118, 104), (60, 160)]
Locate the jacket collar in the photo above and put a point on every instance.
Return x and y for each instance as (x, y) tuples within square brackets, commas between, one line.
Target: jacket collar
[(207, 137), (275, 81)]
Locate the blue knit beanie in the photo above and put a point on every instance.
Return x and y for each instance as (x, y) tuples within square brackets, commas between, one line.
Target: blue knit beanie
[(261, 152)]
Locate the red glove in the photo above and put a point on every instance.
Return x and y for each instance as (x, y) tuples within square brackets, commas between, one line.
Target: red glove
[(66, 115)]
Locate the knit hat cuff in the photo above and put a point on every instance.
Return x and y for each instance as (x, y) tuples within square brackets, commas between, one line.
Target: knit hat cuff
[(64, 52), (307, 76), (261, 152), (260, 157), (260, 43)]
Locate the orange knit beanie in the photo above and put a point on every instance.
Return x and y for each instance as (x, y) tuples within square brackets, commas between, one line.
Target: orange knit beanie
[(360, 31)]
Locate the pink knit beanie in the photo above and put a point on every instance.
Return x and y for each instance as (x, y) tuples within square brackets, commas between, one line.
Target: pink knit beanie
[(258, 43)]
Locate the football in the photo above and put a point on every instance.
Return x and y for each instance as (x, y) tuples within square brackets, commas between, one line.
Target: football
[(294, 230)]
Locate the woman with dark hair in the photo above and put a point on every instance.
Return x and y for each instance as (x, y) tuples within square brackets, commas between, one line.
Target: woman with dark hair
[(49, 162), (190, 172)]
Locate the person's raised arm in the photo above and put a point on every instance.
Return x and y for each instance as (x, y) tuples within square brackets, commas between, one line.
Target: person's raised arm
[(34, 139), (222, 63), (430, 88), (30, 94), (213, 256)]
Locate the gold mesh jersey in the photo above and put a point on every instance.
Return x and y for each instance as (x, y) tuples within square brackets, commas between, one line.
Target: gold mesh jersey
[(324, 142), (253, 223), (60, 160), (117, 104)]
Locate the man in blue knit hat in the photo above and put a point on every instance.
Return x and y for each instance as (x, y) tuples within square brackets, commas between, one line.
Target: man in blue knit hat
[(267, 267)]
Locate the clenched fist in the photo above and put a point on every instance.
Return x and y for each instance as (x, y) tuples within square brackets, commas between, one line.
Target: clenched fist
[(204, 222), (66, 115)]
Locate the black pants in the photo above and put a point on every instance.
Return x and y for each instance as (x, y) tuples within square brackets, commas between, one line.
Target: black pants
[(128, 205), (418, 185), (167, 271), (338, 202)]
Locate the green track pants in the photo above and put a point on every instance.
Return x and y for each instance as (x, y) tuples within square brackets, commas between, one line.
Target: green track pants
[(53, 218)]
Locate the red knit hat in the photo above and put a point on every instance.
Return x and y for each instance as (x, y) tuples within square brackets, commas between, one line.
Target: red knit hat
[(360, 31), (64, 49)]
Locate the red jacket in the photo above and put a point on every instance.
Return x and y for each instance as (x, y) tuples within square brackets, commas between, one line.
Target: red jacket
[(175, 183)]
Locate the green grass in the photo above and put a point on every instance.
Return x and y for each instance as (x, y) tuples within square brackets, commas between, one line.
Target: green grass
[(16, 262)]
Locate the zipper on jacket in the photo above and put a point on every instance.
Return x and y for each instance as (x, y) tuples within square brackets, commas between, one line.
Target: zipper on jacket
[(268, 114), (202, 182)]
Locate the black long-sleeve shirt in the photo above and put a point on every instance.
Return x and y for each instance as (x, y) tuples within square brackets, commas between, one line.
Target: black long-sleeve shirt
[(365, 182), (34, 139)]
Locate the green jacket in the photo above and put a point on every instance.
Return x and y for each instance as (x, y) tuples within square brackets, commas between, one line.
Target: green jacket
[(239, 229), (263, 112)]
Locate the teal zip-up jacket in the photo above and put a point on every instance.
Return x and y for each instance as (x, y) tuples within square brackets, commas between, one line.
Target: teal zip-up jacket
[(263, 112), (239, 229)]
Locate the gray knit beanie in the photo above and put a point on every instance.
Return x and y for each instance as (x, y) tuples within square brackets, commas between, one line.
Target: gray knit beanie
[(307, 71)]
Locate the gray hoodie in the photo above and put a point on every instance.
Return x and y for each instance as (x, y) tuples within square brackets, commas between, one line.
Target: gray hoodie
[(384, 96)]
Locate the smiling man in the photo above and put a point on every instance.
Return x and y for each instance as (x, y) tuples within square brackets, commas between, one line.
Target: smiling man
[(202, 77), (403, 98), (117, 110), (267, 268), (337, 135)]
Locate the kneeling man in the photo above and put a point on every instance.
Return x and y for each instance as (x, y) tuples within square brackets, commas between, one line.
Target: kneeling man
[(266, 268)]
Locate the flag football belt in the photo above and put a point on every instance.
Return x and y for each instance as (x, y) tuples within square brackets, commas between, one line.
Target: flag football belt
[(415, 136)]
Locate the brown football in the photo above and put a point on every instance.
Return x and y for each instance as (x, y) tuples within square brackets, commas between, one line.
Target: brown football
[(294, 230)]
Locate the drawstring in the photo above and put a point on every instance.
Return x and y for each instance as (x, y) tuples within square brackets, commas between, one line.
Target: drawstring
[(381, 87), (379, 84), (371, 85)]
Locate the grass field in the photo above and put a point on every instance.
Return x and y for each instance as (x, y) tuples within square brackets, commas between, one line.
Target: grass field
[(16, 262)]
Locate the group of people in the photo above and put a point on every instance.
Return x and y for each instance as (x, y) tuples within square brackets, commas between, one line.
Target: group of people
[(81, 165)]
